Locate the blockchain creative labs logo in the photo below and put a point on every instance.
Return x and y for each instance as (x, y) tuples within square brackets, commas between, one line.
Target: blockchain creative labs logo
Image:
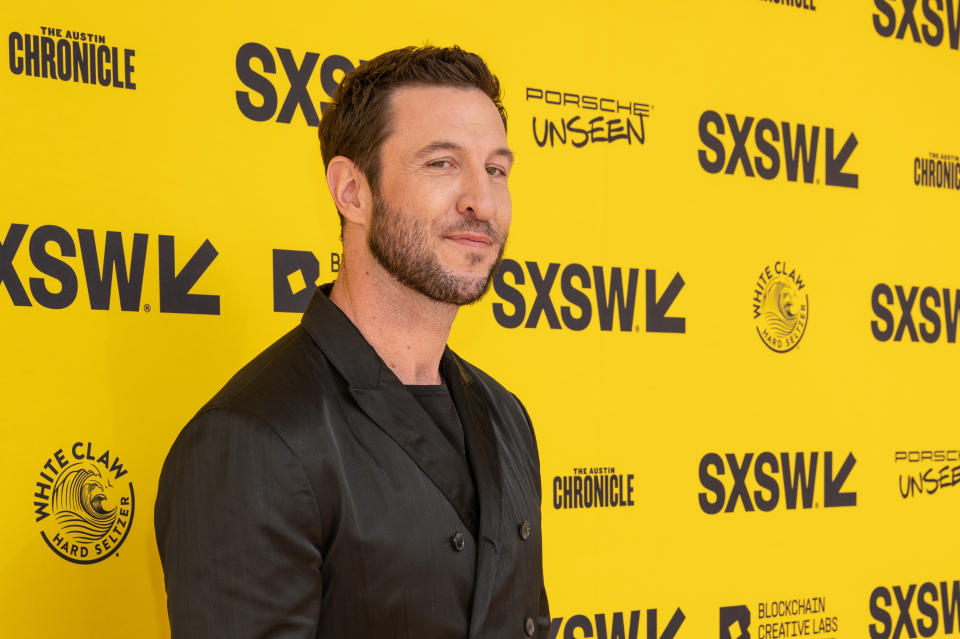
[(296, 274), (578, 119), (780, 619), (593, 487), (68, 55), (937, 171), (924, 473), (83, 503), (781, 307)]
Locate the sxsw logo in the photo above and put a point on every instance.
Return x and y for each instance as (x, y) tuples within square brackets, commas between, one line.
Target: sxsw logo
[(296, 75), (775, 478), (121, 262), (617, 627), (895, 319), (930, 30), (934, 610), (793, 147), (607, 295)]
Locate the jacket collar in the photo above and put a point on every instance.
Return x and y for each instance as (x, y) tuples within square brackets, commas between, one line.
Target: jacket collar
[(340, 340)]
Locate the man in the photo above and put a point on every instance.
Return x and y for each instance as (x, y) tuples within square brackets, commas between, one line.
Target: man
[(358, 479)]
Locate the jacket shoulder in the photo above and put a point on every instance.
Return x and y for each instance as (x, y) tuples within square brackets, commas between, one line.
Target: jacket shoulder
[(286, 388), (278, 382)]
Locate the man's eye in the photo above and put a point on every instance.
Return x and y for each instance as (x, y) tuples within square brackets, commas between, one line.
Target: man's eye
[(495, 170), (440, 164)]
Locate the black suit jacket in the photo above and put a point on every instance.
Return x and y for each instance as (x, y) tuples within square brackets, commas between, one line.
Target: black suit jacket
[(313, 497)]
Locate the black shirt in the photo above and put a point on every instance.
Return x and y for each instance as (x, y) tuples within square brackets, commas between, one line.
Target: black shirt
[(436, 401)]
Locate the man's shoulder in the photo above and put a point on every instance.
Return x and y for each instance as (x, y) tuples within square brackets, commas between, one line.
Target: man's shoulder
[(277, 380), (272, 403)]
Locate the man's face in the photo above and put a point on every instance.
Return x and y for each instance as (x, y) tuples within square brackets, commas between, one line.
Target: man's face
[(442, 211)]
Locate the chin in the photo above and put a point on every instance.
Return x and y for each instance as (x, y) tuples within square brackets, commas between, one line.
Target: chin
[(478, 275)]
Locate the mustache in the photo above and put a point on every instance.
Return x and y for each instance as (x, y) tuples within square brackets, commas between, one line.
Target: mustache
[(480, 227)]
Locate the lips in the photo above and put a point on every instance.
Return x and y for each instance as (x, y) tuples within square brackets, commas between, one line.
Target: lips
[(472, 240)]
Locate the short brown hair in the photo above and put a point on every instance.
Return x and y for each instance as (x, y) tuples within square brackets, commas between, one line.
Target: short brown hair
[(358, 120)]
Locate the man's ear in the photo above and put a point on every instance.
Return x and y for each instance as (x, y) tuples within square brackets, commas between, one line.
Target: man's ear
[(349, 189)]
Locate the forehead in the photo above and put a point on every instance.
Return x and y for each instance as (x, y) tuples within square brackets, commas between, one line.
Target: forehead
[(420, 114)]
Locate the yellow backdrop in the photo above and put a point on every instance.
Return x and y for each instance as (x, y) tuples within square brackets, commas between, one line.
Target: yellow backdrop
[(730, 299)]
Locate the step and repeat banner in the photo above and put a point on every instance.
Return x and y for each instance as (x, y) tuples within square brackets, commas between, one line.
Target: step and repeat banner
[(730, 299)]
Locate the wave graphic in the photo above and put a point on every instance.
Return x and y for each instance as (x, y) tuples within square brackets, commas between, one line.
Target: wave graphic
[(779, 306), (77, 502), (777, 325)]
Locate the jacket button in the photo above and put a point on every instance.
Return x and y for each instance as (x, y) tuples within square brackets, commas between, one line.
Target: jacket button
[(457, 541), (529, 627), (525, 530)]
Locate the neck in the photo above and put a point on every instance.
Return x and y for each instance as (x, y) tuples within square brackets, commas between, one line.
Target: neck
[(407, 329)]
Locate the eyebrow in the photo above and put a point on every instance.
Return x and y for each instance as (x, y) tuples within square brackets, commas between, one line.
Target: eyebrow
[(443, 145)]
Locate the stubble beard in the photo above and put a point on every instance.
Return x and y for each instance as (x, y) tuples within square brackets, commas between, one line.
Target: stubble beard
[(402, 247)]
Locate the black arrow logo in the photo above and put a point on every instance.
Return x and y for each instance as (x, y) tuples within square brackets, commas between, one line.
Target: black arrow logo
[(657, 320), (175, 295), (831, 490), (672, 626), (835, 175)]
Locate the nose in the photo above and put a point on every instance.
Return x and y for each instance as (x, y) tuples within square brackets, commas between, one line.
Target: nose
[(477, 198)]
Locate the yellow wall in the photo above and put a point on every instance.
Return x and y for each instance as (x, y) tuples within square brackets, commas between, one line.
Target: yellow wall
[(170, 154)]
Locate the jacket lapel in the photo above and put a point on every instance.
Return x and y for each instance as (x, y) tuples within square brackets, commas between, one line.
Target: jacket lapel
[(383, 398), (402, 418), (484, 459)]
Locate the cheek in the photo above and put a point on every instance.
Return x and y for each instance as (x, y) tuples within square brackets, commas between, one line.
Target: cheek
[(423, 200), (505, 209)]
